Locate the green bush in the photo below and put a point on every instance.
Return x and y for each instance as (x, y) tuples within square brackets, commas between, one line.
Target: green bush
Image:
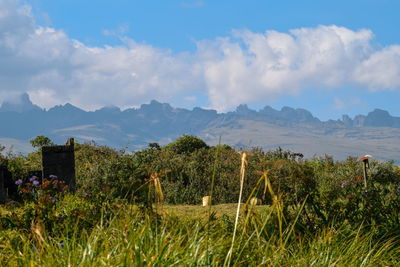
[(330, 190), (186, 144)]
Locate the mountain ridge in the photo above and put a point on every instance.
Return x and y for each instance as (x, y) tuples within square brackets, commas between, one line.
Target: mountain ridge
[(160, 122), (377, 117)]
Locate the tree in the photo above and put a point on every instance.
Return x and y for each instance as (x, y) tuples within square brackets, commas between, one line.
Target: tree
[(186, 144), (155, 146), (40, 141)]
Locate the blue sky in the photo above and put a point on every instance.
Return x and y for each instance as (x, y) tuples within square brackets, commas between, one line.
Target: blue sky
[(175, 24), (330, 57)]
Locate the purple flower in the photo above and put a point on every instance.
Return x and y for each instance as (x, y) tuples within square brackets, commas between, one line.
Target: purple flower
[(343, 185), (33, 178), (62, 244), (36, 183), (53, 177), (18, 182)]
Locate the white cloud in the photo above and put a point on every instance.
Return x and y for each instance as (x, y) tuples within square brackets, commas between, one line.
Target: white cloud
[(55, 69), (119, 32), (254, 67), (381, 70), (245, 67)]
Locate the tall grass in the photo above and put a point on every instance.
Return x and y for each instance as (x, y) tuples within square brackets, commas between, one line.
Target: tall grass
[(131, 239)]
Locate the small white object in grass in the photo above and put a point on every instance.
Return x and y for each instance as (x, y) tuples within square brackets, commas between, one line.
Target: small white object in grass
[(206, 201), (255, 201)]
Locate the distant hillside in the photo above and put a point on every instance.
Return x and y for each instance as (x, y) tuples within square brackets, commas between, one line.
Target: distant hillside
[(376, 133)]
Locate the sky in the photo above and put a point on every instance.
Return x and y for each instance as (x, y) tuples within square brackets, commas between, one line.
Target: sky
[(330, 57)]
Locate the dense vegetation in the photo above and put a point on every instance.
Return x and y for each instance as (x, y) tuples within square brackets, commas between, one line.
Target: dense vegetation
[(317, 211)]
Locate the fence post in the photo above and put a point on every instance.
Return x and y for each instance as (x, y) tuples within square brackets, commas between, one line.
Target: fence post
[(365, 161)]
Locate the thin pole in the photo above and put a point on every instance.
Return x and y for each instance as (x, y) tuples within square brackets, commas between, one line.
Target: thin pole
[(365, 162)]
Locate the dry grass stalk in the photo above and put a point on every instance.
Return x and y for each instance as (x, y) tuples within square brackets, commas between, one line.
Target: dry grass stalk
[(37, 229), (155, 180), (242, 174)]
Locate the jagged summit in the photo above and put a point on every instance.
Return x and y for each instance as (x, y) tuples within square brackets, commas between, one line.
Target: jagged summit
[(65, 108), (20, 104), (156, 106), (375, 118), (156, 109), (292, 128)]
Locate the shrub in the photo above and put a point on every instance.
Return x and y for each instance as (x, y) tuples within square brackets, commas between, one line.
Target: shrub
[(186, 144)]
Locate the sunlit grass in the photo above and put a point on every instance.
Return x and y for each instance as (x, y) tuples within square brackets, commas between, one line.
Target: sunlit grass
[(201, 213), (131, 238)]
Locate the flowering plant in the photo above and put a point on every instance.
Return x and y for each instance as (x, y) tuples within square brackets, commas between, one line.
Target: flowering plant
[(34, 190)]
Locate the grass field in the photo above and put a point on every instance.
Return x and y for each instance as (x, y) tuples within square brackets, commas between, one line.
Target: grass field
[(201, 213), (186, 236)]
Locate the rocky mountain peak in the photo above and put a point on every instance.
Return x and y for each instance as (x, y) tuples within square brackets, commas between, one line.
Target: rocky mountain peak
[(375, 118), (379, 118), (20, 104), (156, 107)]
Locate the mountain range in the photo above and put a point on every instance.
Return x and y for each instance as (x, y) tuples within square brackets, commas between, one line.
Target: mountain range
[(377, 133)]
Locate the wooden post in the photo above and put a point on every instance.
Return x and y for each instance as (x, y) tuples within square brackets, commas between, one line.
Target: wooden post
[(365, 161)]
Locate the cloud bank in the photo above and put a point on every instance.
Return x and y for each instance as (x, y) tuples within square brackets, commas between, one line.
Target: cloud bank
[(245, 67)]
